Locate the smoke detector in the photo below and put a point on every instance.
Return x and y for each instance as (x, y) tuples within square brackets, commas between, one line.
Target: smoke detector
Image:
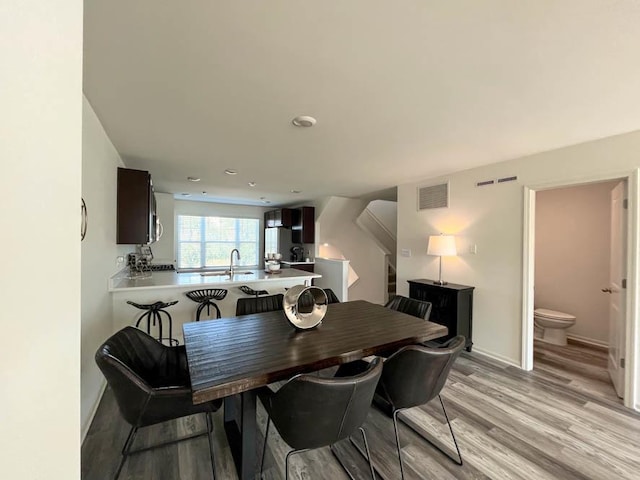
[(304, 121)]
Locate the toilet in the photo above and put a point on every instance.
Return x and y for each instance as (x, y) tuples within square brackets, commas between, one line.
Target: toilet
[(551, 326)]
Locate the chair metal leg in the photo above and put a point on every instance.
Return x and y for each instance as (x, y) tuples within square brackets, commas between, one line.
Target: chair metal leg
[(218, 314), (158, 318), (146, 315), (286, 464), (395, 428), (366, 454), (366, 447), (211, 442), (125, 450), (264, 448), (459, 461), (286, 461), (172, 341), (199, 311)]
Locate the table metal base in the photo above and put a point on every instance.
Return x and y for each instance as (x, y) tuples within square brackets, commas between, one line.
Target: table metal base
[(241, 428)]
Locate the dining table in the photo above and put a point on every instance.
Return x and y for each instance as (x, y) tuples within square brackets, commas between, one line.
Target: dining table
[(230, 358)]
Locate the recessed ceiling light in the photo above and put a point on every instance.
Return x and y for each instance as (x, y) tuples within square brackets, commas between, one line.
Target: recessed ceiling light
[(185, 194), (230, 171), (296, 191), (252, 184), (304, 121), (193, 179)]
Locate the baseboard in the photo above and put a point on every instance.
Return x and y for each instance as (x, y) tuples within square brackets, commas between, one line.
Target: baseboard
[(85, 430), (577, 339), (496, 357)]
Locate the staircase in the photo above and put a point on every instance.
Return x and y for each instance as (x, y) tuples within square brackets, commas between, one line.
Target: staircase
[(391, 281)]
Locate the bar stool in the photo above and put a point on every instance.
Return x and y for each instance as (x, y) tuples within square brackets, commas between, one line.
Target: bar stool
[(252, 292), (204, 297), (153, 312)]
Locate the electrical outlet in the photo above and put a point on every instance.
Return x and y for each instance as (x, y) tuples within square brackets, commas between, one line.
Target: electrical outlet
[(473, 249), (405, 252), (119, 261)]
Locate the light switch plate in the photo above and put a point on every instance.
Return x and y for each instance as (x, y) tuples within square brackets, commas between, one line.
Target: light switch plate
[(473, 249), (405, 252)]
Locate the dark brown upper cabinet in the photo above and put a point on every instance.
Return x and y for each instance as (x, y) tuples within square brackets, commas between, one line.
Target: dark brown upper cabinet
[(137, 221), (304, 225), (283, 217)]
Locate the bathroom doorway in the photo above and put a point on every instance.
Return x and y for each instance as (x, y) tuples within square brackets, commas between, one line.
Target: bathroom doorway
[(577, 234), (580, 277)]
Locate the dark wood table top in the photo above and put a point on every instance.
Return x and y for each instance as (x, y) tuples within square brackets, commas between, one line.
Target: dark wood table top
[(232, 355)]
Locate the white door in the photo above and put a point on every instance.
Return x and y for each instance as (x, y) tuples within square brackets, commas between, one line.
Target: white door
[(616, 288)]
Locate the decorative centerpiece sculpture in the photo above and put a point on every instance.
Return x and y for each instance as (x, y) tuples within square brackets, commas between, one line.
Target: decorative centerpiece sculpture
[(305, 307)]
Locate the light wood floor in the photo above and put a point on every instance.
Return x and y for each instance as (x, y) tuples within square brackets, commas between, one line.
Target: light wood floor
[(560, 421)]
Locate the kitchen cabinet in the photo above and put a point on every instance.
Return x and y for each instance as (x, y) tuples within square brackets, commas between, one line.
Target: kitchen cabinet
[(282, 217), (452, 306), (306, 266), (136, 221), (304, 225)]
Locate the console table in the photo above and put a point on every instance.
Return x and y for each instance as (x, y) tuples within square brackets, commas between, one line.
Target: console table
[(452, 306)]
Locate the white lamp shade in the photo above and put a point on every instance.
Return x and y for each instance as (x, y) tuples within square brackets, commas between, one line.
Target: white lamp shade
[(442, 245)]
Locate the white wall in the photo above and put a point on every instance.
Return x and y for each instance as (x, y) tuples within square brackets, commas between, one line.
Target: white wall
[(572, 243), (492, 218), (41, 129), (387, 213), (185, 207), (100, 162), (336, 225)]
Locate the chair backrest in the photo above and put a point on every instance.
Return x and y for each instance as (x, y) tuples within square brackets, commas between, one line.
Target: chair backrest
[(134, 363), (311, 412), (269, 303), (410, 306), (331, 297), (415, 374)]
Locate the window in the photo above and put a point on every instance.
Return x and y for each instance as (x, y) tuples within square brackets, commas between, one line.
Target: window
[(208, 241)]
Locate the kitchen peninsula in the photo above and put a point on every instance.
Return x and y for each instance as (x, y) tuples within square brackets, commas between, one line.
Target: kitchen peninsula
[(169, 286)]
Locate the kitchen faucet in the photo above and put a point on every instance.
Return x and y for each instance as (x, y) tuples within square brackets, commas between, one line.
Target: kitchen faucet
[(231, 261)]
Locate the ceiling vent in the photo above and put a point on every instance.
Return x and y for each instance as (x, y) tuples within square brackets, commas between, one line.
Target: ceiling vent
[(434, 196)]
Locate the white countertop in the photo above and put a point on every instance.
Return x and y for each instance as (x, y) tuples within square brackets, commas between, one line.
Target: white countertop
[(177, 280)]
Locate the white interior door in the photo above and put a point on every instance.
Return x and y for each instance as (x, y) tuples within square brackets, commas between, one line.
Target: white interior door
[(616, 288)]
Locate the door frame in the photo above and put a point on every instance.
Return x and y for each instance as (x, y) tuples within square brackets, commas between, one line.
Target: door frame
[(632, 318)]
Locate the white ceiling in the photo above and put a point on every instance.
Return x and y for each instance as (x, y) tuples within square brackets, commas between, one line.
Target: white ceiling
[(402, 90)]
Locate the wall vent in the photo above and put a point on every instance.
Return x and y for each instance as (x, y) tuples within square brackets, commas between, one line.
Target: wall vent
[(507, 179), (434, 196), (484, 183)]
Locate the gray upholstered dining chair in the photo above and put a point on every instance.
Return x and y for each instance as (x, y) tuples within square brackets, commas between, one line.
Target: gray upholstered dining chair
[(269, 303), (413, 376), (331, 296), (151, 384), (311, 412), (410, 306)]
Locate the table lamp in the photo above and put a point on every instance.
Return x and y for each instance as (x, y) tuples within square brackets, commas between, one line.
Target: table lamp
[(441, 246)]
